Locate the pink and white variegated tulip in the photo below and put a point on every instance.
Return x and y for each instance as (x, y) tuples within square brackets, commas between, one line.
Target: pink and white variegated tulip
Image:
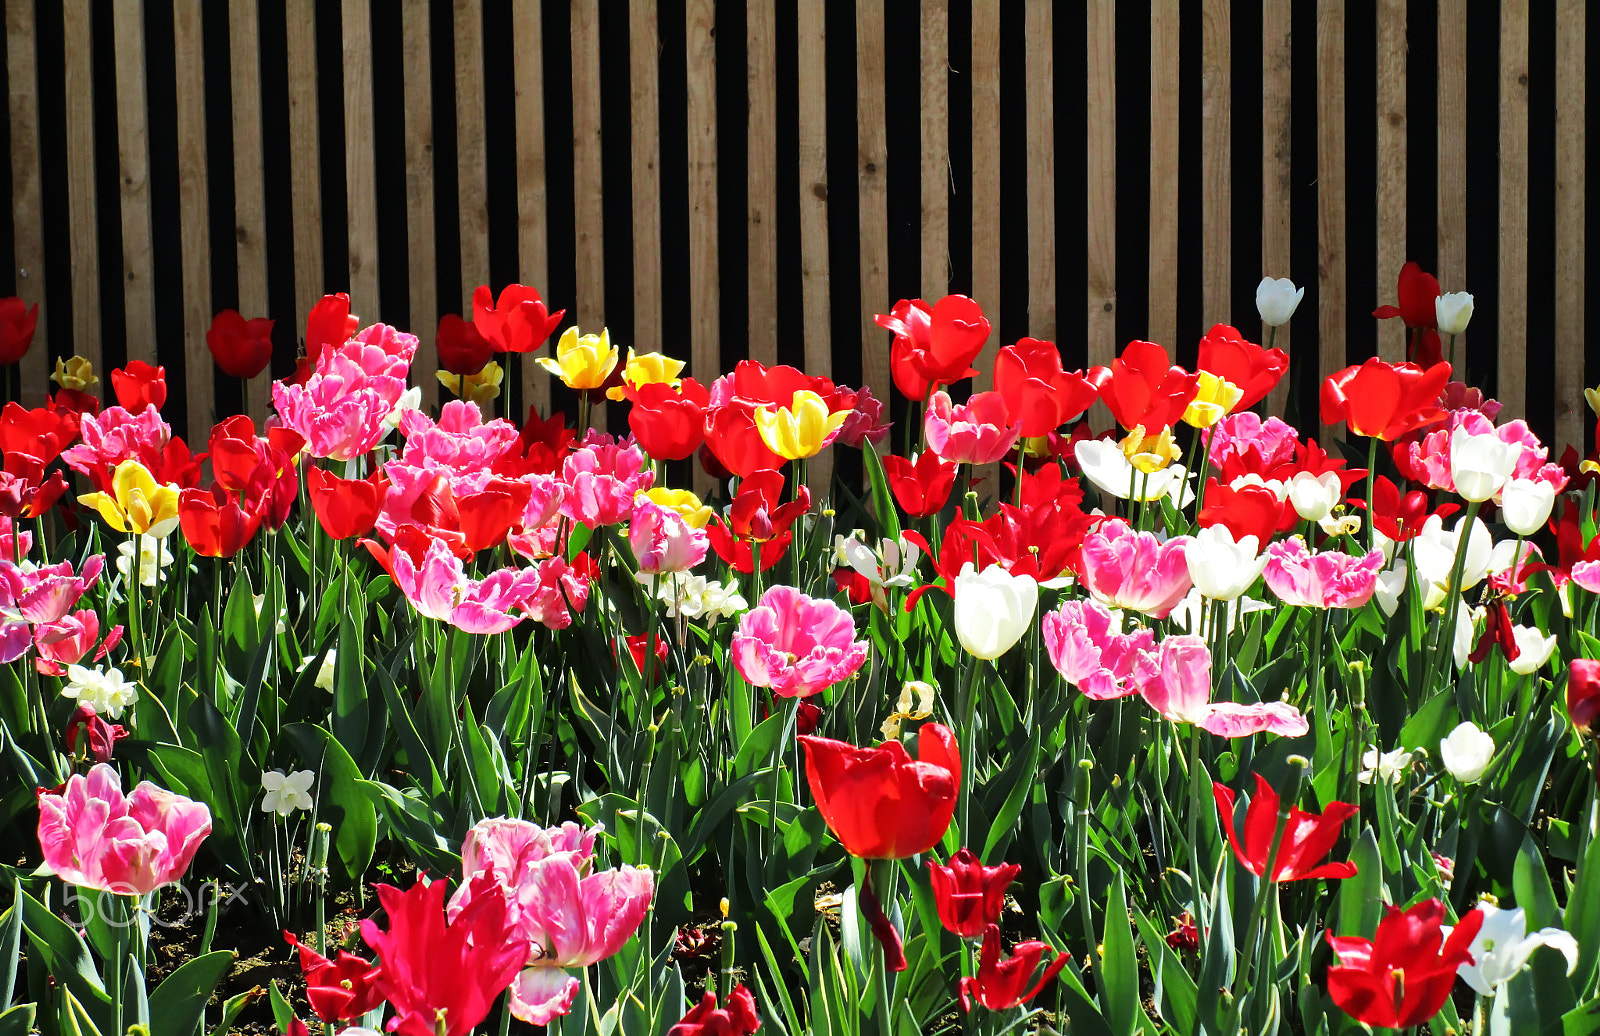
[(662, 541), (796, 645), (95, 837), (603, 475), (440, 589), (1179, 687), (1088, 649), (69, 639), (1320, 579), (560, 582), (1135, 570), (40, 594), (979, 431)]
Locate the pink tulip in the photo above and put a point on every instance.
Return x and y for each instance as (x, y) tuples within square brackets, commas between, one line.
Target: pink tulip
[(662, 541), (440, 589), (1325, 579), (379, 350), (1086, 649), (603, 476), (460, 439), (115, 435), (67, 640), (45, 593), (1245, 439), (94, 837), (1180, 689), (559, 583), (796, 645), (341, 414), (979, 431), (1135, 570)]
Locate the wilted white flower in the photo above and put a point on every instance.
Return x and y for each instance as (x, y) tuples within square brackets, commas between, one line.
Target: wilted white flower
[(260, 601), (153, 557), (105, 689), (916, 702), (1466, 752), (285, 794), (1386, 766), (1277, 299), (1452, 311)]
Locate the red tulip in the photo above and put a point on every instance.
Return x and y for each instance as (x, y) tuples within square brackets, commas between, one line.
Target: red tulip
[(1583, 694), (546, 441), (879, 802), (757, 516), (242, 348), (139, 385), (462, 348), (636, 650), (1002, 985), (1418, 293), (214, 523), (1250, 510), (1146, 389), (17, 323), (38, 434), (933, 345), (969, 895), (1384, 400), (101, 737), (1038, 391), (1254, 370), (1404, 974), (922, 486), (329, 325), (517, 322), (1307, 837), (345, 507), (669, 423), (732, 436), (338, 989), (261, 470), (1400, 517), (739, 1018)]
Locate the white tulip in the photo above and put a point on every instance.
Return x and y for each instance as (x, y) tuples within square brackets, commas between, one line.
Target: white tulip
[(1435, 552), (1186, 616), (285, 794), (1533, 649), (1104, 465), (1314, 496), (1278, 486), (1466, 633), (1503, 947), (1220, 567), (1391, 584), (1453, 311), (993, 609), (1480, 464), (1466, 752), (1276, 300), (1525, 504)]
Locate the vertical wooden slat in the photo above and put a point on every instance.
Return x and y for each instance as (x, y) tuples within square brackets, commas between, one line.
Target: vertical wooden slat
[(872, 158), (1216, 164), (133, 163), (1571, 216), (588, 212), (1165, 163), (645, 134), (1276, 147), (1452, 227), (1512, 382), (84, 236), (1392, 165), (532, 244), (986, 179), (194, 215), (1041, 170), (421, 245), (811, 69), (705, 323), (1100, 40), (761, 185), (360, 191), (249, 186), (26, 213), (1331, 271), (472, 194), (305, 169), (935, 129)]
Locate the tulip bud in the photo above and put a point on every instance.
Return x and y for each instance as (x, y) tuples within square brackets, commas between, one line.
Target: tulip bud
[(1453, 311), (1466, 752), (1277, 299), (1525, 504), (1481, 464), (993, 609), (1583, 694)]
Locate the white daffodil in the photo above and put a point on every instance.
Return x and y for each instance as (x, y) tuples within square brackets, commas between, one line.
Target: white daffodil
[(285, 794), (696, 597), (153, 557), (1386, 766), (105, 689)]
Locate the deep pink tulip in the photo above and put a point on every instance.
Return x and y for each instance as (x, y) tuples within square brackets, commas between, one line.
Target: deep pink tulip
[(979, 431), (45, 593), (560, 582), (95, 837), (1324, 579), (603, 476), (796, 645), (69, 639), (662, 541), (440, 589), (1089, 652), (1135, 570), (1180, 690)]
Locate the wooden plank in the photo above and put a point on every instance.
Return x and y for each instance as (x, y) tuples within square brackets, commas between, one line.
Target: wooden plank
[(532, 243), (872, 192), (811, 70), (421, 246), (194, 214), (985, 75), (1165, 164), (472, 193), (1331, 316), (305, 169), (587, 164), (935, 126), (133, 165), (761, 185), (1216, 164), (645, 135), (705, 325), (1391, 164), (360, 174), (1571, 215), (1452, 115), (26, 212), (1276, 148), (249, 184), (1100, 111), (84, 237), (1512, 383), (1040, 61)]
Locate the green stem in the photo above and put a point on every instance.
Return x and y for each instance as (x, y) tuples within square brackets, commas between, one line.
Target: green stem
[(1452, 596), (1287, 798), (1372, 482)]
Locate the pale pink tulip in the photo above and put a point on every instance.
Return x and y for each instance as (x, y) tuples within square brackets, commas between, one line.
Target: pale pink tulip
[(979, 431), (69, 639), (1087, 649), (41, 594), (1324, 579), (440, 589), (1180, 689), (95, 837), (796, 645), (603, 476), (662, 541), (1135, 570)]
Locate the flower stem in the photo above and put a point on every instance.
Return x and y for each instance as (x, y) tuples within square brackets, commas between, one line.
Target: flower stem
[(1372, 482), (1288, 796), (1452, 596)]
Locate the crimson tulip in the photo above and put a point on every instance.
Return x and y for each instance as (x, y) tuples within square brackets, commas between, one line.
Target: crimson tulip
[(1497, 629), (242, 348), (214, 523), (1583, 694), (757, 516), (17, 323), (462, 348), (879, 802), (99, 736), (669, 423), (1418, 293), (1249, 510), (329, 325), (1307, 837), (1030, 377), (1400, 517), (517, 322), (1146, 389), (1384, 400), (738, 1018), (920, 486), (27, 497), (546, 441), (256, 468), (338, 989), (1404, 974), (345, 507), (968, 895), (1003, 984), (933, 345), (139, 385), (1253, 370)]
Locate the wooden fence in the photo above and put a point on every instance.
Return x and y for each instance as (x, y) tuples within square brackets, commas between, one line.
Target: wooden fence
[(725, 179)]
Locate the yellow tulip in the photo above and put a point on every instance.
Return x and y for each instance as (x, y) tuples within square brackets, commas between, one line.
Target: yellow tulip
[(646, 369), (801, 429), (582, 361), (481, 387), (1593, 396), (1150, 453), (684, 502), (76, 373), (1217, 396), (137, 503)]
